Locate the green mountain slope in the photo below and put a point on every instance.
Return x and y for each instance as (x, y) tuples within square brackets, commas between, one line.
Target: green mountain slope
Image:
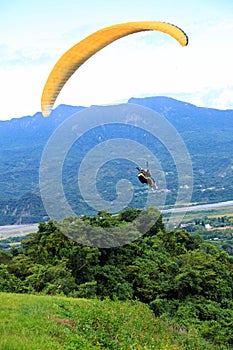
[(178, 275), (207, 133)]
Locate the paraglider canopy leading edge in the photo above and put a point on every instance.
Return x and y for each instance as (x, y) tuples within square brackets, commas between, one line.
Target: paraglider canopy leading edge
[(71, 60)]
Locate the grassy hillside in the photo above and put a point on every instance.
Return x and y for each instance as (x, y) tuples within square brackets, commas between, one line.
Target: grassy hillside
[(30, 322), (186, 282)]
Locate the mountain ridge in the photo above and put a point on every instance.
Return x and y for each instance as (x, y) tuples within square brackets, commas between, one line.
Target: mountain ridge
[(207, 134)]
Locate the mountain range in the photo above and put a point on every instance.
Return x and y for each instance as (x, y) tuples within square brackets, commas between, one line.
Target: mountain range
[(207, 134)]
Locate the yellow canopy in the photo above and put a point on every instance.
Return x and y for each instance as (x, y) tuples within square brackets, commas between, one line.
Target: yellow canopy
[(79, 53)]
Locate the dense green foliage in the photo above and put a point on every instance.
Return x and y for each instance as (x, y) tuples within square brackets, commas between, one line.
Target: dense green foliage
[(179, 275)]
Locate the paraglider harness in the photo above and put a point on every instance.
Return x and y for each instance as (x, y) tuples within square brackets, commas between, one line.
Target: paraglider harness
[(144, 176)]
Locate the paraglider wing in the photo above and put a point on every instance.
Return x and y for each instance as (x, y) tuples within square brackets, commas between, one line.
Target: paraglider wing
[(79, 53)]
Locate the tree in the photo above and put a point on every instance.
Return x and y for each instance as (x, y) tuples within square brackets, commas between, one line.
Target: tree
[(51, 279), (9, 282)]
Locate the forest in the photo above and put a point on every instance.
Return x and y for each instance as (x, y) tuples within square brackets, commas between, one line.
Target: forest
[(179, 275)]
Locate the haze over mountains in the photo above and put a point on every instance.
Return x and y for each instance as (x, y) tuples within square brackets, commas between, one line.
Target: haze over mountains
[(207, 133)]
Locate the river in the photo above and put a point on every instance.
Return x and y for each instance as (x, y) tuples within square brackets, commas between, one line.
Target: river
[(22, 230), (197, 207)]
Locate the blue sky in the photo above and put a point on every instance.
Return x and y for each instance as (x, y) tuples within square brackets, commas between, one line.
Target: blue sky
[(34, 34)]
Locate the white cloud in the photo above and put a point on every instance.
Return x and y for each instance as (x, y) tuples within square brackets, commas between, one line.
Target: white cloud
[(224, 100), (139, 65)]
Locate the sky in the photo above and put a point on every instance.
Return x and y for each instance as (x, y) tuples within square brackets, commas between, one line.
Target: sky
[(34, 34)]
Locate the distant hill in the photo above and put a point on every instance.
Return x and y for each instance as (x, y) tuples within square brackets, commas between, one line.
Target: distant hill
[(207, 133), (186, 116), (26, 209)]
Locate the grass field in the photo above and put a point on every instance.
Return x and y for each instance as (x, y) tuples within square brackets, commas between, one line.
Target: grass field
[(29, 322)]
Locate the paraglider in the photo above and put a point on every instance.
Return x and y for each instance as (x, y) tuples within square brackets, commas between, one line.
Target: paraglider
[(144, 176), (79, 53)]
